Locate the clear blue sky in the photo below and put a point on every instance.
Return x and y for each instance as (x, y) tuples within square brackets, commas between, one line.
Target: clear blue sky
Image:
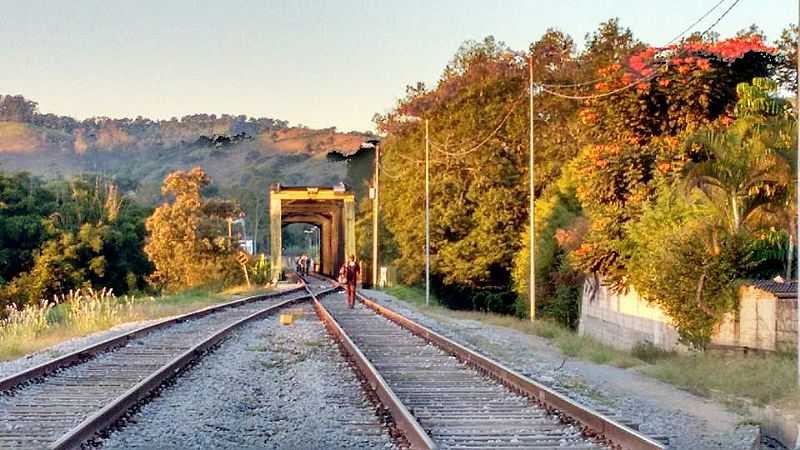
[(319, 63)]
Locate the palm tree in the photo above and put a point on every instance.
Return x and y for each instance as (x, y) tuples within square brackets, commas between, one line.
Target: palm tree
[(745, 175)]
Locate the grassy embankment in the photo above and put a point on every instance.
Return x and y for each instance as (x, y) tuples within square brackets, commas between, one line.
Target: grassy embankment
[(735, 379), (41, 326)]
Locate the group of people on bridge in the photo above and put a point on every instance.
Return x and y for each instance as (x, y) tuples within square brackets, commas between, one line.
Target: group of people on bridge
[(348, 274), (304, 264)]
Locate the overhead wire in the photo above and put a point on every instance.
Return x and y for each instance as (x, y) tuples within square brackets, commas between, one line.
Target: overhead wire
[(713, 25), (641, 79), (441, 149), (395, 176), (605, 94), (544, 87), (678, 36)]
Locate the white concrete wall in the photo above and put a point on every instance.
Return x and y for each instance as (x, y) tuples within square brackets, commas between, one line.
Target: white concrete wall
[(786, 326), (753, 325), (623, 320)]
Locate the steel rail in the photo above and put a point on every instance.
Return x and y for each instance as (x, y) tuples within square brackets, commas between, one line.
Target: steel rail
[(87, 353), (403, 419), (110, 413), (592, 422)]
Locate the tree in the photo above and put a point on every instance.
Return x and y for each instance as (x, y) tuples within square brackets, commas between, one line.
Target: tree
[(633, 138), (479, 154), (69, 261), (187, 238), (477, 192), (718, 218), (24, 201), (682, 264), (608, 45), (86, 235), (787, 50), (560, 227), (16, 108), (738, 175), (747, 170)]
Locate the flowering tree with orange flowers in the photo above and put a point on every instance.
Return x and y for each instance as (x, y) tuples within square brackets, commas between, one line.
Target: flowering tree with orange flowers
[(634, 138)]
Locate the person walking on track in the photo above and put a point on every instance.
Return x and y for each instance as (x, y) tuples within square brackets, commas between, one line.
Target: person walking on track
[(352, 271)]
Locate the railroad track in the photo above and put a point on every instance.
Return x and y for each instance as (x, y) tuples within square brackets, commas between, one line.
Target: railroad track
[(439, 394), (63, 403), (443, 395)]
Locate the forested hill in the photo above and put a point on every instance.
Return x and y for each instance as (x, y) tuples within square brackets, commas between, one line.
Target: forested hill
[(238, 152)]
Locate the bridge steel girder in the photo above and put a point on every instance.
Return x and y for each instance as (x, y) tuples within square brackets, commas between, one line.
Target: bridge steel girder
[(333, 210)]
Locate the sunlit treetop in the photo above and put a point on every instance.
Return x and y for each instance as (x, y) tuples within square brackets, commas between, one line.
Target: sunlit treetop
[(684, 59)]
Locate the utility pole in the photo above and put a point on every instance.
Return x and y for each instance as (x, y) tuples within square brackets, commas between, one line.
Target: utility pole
[(255, 225), (531, 200), (797, 200), (427, 217), (375, 210)]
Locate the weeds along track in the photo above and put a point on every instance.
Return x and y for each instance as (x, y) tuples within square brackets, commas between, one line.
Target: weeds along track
[(443, 395), (63, 403)]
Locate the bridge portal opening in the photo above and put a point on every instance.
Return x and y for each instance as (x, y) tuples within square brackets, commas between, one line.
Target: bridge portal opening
[(300, 238), (329, 209)]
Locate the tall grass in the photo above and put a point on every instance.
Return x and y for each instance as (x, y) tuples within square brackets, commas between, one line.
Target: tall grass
[(22, 326), (89, 310), (77, 313)]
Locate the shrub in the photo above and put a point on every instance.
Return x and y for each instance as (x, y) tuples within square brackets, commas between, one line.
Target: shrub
[(685, 266), (648, 352), (260, 270)]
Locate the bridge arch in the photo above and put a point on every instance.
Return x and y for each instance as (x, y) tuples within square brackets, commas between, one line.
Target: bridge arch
[(332, 209)]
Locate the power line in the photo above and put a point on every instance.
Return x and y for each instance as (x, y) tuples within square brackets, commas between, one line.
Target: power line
[(486, 139), (544, 86), (689, 28), (605, 94), (395, 176), (735, 2)]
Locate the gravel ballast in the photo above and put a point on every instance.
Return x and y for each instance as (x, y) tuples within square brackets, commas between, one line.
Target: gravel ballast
[(690, 422), (267, 386)]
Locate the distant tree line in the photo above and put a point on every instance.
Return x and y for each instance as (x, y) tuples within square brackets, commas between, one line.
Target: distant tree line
[(60, 235), (104, 133), (64, 235)]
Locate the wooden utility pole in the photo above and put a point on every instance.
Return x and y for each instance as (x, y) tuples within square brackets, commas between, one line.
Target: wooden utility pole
[(427, 217), (531, 200), (375, 209)]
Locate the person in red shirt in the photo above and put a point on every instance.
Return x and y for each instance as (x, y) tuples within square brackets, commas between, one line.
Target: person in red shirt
[(352, 271)]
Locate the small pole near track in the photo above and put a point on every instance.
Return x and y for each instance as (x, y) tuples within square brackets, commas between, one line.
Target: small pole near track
[(532, 225), (427, 217)]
